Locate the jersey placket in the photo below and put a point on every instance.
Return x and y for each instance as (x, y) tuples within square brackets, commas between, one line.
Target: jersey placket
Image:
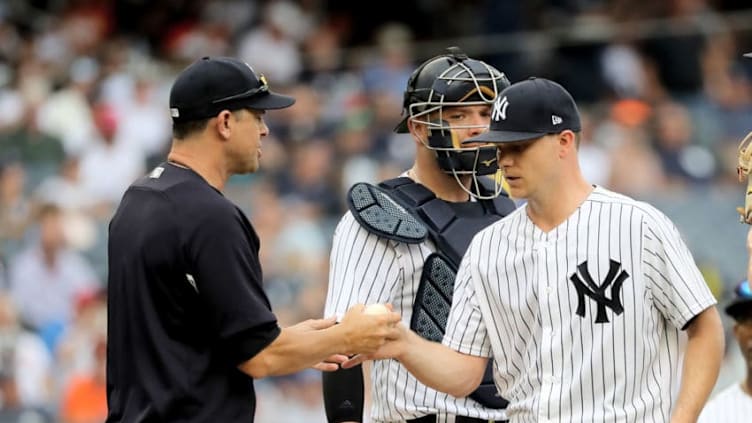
[(543, 251)]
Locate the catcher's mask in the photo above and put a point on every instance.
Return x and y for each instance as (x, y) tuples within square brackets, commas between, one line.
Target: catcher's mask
[(452, 80)]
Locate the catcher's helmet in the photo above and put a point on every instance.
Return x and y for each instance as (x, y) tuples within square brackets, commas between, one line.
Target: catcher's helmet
[(450, 80)]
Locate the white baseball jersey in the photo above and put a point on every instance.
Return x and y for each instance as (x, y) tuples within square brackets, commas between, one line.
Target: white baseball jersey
[(584, 321), (366, 268), (732, 405)]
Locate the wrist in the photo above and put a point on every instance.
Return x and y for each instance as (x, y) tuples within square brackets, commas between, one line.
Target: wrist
[(341, 342), (406, 344)]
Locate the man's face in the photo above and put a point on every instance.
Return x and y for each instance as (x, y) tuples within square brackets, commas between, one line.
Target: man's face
[(467, 121), (51, 232), (245, 142), (527, 165)]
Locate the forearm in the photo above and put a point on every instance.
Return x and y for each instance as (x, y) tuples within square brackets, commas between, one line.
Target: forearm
[(702, 362), (441, 367), (293, 351)]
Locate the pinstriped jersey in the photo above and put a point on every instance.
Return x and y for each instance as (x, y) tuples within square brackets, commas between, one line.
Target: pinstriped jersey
[(732, 405), (366, 268), (584, 321)]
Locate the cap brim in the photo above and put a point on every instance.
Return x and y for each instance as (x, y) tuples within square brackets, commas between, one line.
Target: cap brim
[(739, 307), (401, 127), (270, 101), (503, 136)]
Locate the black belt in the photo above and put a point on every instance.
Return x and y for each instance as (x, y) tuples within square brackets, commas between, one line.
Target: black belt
[(431, 418)]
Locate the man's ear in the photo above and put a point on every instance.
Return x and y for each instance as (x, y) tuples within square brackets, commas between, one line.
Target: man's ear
[(567, 143), (224, 124), (418, 131)]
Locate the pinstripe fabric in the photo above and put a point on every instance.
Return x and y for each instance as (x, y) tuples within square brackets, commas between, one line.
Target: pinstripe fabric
[(515, 297), (732, 405), (365, 268)]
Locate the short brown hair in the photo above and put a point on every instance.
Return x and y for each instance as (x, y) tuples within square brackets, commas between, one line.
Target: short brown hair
[(181, 130)]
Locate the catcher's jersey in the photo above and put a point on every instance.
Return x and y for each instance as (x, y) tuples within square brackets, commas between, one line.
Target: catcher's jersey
[(366, 268), (732, 405), (584, 321)]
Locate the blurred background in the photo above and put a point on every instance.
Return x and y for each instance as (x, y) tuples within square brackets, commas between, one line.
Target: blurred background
[(664, 92)]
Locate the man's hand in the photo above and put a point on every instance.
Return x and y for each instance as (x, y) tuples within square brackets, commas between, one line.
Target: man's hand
[(332, 362), (394, 348), (313, 324), (365, 333)]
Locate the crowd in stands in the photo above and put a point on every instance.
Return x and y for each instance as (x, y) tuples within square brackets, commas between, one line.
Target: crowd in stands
[(83, 112)]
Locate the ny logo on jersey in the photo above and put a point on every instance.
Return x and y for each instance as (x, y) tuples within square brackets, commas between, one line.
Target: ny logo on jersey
[(500, 109), (597, 293)]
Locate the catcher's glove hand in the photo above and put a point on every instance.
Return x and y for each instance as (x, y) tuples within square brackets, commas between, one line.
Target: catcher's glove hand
[(743, 171)]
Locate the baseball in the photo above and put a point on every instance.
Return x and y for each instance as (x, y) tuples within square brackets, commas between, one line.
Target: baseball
[(376, 309)]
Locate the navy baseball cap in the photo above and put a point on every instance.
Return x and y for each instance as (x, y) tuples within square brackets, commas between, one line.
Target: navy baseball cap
[(212, 84), (530, 109), (741, 304)]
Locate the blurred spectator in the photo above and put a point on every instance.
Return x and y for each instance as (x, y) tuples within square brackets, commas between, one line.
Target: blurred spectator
[(678, 53), (85, 395), (327, 73), (388, 72), (66, 114), (283, 25), (594, 159), (25, 370), (47, 278), (683, 161), (75, 353), (110, 165), (15, 207), (66, 191), (3, 275), (300, 125), (144, 123), (309, 176)]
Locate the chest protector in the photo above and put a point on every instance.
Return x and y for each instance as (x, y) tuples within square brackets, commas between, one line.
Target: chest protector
[(403, 210)]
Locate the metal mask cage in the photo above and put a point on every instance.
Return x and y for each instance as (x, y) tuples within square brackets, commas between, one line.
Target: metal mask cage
[(430, 113)]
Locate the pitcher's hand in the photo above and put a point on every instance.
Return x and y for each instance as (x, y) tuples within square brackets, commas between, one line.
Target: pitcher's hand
[(366, 333)]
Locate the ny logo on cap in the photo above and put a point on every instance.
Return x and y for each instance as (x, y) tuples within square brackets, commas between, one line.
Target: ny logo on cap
[(500, 109)]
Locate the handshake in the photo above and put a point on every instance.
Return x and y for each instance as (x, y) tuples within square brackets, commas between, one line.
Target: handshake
[(365, 332)]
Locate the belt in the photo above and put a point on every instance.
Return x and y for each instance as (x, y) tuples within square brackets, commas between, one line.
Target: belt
[(431, 418)]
